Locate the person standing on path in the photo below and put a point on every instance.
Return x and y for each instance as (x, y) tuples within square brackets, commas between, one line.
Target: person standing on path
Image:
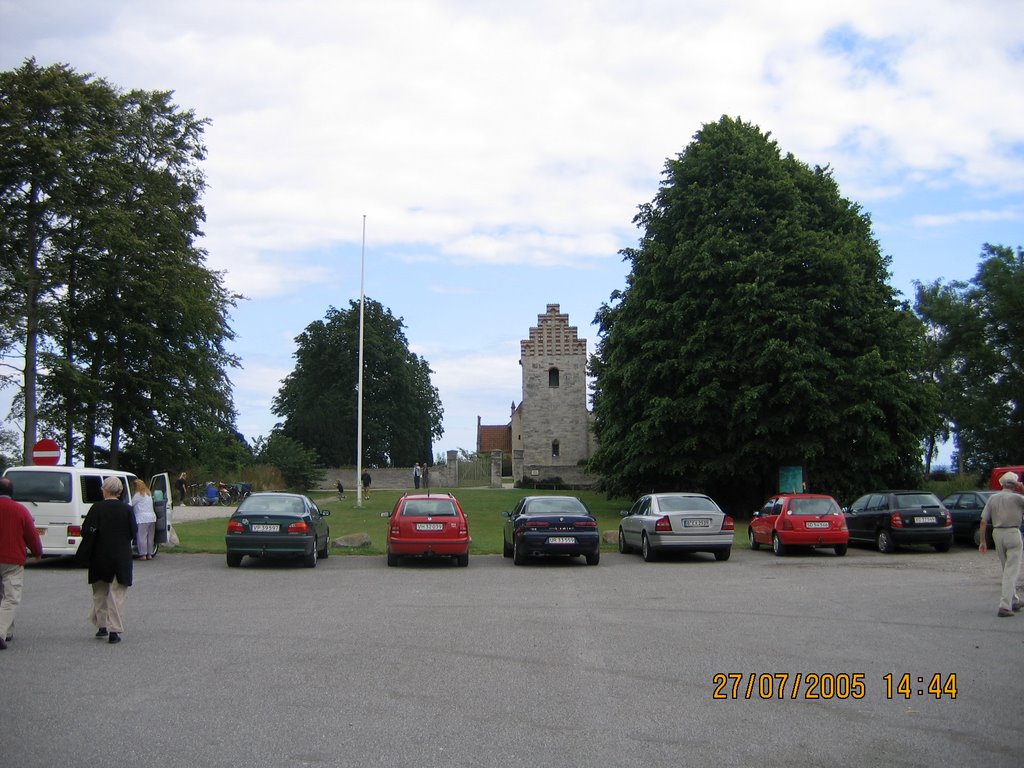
[(17, 532), (112, 524), (367, 480), (1005, 511), (416, 475), (181, 486)]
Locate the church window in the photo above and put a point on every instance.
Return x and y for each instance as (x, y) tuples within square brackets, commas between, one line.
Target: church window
[(554, 449), (552, 377)]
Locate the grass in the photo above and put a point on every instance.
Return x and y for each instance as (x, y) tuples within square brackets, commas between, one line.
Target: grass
[(483, 507)]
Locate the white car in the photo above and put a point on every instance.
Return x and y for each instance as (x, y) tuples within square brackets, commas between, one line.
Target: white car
[(676, 522)]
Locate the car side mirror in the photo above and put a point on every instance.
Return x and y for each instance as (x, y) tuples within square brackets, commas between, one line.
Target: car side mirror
[(325, 513), (507, 514), (385, 515)]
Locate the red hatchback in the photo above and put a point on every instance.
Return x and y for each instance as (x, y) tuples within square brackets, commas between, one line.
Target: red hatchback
[(799, 520), (428, 525)]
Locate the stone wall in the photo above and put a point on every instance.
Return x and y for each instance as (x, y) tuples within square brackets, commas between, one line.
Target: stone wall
[(394, 478)]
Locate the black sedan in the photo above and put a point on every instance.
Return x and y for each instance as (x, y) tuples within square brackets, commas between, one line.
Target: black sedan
[(551, 525), (965, 507), (278, 525)]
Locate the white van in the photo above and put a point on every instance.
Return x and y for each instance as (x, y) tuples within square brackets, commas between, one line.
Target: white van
[(59, 499)]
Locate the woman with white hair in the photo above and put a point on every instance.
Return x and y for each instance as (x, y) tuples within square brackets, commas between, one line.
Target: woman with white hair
[(112, 524), (1005, 511)]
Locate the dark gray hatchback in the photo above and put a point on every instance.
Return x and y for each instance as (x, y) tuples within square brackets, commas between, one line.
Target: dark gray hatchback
[(890, 519)]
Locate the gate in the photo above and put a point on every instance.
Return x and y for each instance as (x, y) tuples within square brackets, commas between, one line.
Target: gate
[(475, 473)]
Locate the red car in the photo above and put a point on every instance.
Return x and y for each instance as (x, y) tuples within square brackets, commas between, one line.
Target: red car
[(799, 520), (428, 525)]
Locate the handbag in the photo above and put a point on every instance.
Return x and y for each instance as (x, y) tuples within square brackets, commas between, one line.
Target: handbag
[(86, 545)]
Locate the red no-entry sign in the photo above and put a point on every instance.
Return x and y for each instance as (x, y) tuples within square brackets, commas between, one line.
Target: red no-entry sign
[(46, 451)]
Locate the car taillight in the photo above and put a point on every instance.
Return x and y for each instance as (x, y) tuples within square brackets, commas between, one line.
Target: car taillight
[(949, 518), (663, 524), (787, 524), (842, 524), (300, 527), (538, 524), (587, 524), (895, 520), (74, 530), (235, 527), (728, 524), (395, 529)]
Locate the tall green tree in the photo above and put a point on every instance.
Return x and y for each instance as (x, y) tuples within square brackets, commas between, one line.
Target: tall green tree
[(319, 400), (978, 331), (122, 325), (756, 330)]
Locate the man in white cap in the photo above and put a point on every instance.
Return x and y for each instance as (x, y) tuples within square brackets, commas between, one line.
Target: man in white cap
[(1005, 511)]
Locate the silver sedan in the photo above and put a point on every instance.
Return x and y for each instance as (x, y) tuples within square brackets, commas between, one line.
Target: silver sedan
[(676, 522)]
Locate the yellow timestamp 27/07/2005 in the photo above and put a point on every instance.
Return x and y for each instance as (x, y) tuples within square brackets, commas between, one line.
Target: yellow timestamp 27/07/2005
[(827, 685)]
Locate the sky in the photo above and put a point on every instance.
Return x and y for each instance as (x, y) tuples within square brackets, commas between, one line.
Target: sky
[(472, 162)]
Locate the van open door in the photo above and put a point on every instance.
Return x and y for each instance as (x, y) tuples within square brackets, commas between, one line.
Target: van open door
[(160, 485)]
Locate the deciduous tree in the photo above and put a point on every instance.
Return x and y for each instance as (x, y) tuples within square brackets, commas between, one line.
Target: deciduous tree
[(756, 330), (978, 331), (318, 400)]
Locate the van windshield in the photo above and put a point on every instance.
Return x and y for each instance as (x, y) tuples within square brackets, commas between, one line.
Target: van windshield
[(41, 486)]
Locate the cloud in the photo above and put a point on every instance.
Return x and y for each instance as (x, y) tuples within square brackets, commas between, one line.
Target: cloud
[(1015, 213)]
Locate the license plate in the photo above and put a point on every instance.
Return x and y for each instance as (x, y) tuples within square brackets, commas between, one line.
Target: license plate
[(817, 525), (924, 520), (561, 540), (429, 526), (696, 522), (264, 528)]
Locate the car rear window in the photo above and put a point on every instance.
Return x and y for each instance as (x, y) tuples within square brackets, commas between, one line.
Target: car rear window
[(41, 486), (686, 504), (905, 500), (428, 508), (813, 507), (545, 506), (269, 506)]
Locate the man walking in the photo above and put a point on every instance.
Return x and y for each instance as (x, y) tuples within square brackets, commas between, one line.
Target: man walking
[(17, 531), (1005, 511)]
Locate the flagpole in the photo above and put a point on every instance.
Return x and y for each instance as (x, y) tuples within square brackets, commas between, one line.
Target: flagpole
[(359, 414)]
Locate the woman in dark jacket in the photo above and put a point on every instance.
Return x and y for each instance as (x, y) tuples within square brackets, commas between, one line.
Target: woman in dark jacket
[(112, 525)]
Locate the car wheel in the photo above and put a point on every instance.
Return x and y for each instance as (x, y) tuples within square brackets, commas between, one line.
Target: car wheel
[(885, 542), (841, 549), (647, 550), (310, 560), (754, 543), (461, 560), (777, 546), (234, 559), (594, 559), (506, 548), (392, 559), (623, 547), (941, 546), (326, 551), (518, 555), (721, 555)]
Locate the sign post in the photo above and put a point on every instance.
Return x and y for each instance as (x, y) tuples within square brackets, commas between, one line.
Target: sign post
[(46, 452)]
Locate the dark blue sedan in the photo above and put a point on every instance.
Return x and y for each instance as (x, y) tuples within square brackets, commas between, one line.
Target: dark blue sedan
[(551, 525)]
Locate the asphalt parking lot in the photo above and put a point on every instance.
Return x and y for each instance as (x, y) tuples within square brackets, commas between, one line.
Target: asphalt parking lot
[(555, 663)]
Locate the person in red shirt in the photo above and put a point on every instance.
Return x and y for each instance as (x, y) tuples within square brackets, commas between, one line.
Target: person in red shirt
[(17, 531)]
